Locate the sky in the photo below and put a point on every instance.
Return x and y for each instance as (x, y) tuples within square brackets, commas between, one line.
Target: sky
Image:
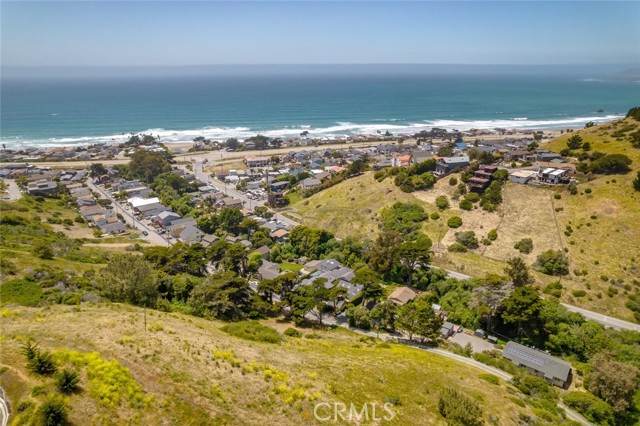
[(166, 33)]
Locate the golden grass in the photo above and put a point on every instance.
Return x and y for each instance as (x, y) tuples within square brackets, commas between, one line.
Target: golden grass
[(196, 374)]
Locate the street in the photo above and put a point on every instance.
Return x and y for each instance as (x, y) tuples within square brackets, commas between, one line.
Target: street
[(154, 237), (13, 190), (230, 190)]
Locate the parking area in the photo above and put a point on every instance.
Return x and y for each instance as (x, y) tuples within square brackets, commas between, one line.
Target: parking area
[(477, 343)]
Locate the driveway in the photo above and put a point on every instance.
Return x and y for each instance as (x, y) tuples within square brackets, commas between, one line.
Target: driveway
[(478, 344)]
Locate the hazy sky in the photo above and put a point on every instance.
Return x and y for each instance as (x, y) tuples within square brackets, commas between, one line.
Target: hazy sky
[(136, 33)]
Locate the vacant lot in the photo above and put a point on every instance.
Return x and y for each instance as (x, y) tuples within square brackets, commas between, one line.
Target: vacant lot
[(196, 374)]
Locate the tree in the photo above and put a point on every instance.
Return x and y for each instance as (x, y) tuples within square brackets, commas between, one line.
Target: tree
[(574, 142), (52, 412), (356, 168), (525, 245), (518, 271), (147, 165), (419, 318), (129, 278), (235, 259), (610, 164), (414, 253), (97, 170), (67, 381), (223, 295), (383, 316), (309, 298), (337, 294), (454, 222), (613, 381), (384, 256), (590, 406), (522, 306), (403, 217), (372, 289), (553, 262), (489, 297), (467, 239)]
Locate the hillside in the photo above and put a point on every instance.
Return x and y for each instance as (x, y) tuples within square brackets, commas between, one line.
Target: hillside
[(604, 223), (186, 371)]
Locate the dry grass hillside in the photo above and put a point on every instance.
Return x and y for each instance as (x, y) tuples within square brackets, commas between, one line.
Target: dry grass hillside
[(605, 223), (185, 371)]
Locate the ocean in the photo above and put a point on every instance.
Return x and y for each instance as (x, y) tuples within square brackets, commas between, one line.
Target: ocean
[(64, 111)]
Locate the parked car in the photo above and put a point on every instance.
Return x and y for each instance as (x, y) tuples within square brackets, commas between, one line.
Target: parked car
[(145, 233)]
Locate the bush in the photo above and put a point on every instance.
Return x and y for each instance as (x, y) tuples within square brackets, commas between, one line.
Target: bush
[(553, 262), (442, 202), (453, 181), (494, 380), (457, 248), (38, 361), (67, 381), (23, 292), (472, 196), (252, 330), (553, 289), (466, 205), (435, 216), (459, 409), (579, 293), (454, 222), (292, 332), (588, 191), (609, 164), (52, 412), (467, 239), (525, 245), (590, 406), (492, 235)]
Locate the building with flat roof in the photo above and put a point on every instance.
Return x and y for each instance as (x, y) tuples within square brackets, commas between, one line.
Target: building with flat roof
[(556, 371)]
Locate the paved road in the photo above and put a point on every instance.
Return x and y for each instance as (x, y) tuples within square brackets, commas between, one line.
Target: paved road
[(230, 190), (605, 320), (4, 409), (13, 190), (153, 237), (571, 414)]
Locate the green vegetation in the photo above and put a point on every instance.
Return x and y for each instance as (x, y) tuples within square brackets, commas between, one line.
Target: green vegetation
[(454, 222), (524, 246), (553, 262), (252, 330), (590, 406), (402, 217), (459, 410)]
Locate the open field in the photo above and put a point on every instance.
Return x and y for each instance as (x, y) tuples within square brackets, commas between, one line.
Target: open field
[(605, 224), (190, 372)]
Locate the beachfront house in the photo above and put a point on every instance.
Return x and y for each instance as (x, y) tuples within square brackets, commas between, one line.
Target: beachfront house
[(555, 371)]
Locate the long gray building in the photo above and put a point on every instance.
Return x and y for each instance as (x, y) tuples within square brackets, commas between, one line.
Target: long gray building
[(556, 371)]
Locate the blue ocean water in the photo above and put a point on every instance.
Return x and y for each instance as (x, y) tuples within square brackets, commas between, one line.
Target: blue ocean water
[(48, 112)]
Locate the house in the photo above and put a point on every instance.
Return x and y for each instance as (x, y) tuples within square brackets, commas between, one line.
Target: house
[(232, 202), (268, 270), (481, 178), (116, 227), (279, 235), (522, 176), (554, 176), (447, 165), (208, 239), (403, 295), (264, 251), (44, 188), (136, 202), (310, 183), (419, 156), (165, 218), (191, 235), (447, 330), (401, 161), (279, 186), (88, 211), (178, 225), (556, 371), (252, 162)]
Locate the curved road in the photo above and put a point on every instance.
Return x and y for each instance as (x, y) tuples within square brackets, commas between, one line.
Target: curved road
[(4, 409)]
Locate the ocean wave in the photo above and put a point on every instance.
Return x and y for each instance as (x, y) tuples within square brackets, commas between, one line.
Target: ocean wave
[(336, 130)]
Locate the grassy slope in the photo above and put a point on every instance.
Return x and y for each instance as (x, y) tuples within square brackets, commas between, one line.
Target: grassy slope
[(351, 209), (177, 366)]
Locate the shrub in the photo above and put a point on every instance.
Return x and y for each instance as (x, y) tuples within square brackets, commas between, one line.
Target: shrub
[(553, 262), (252, 330), (466, 204), (492, 235), (453, 181), (553, 289), (52, 412), (457, 248), (442, 202), (459, 409), (67, 381), (467, 239), (473, 197), (579, 293), (525, 245), (435, 216), (43, 250), (292, 332), (590, 406), (38, 361), (494, 380), (588, 191), (557, 196), (613, 163), (454, 222)]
